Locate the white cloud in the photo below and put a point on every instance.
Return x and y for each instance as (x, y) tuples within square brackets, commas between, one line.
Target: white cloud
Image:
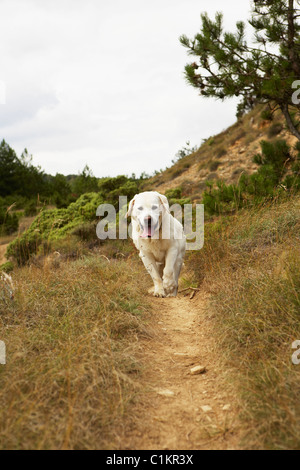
[(102, 82)]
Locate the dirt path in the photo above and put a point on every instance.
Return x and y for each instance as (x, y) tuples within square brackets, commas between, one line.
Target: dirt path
[(173, 413)]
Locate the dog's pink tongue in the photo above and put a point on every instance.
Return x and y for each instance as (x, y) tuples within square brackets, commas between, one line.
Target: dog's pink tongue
[(147, 232)]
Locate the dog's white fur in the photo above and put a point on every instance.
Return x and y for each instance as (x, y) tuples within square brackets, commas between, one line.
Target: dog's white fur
[(162, 248)]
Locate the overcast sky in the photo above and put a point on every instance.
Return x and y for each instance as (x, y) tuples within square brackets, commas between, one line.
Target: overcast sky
[(101, 83)]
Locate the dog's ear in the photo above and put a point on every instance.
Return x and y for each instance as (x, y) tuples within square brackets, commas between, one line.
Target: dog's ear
[(130, 208), (164, 202)]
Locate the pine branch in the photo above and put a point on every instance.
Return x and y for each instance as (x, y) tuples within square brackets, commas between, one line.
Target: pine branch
[(285, 110), (231, 67)]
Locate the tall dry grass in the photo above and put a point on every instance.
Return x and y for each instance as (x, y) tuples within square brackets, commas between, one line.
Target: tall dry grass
[(251, 266), (71, 337)]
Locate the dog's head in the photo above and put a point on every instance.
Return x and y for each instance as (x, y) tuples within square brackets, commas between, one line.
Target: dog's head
[(148, 209)]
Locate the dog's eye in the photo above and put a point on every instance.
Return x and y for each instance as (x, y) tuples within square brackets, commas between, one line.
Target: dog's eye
[(154, 208), (140, 208)]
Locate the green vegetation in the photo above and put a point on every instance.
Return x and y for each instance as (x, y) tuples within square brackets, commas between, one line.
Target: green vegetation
[(184, 152), (52, 225), (175, 197), (214, 165), (74, 326), (7, 267), (278, 175), (275, 129), (227, 66), (27, 188), (23, 183), (18, 175), (77, 220), (111, 188), (251, 265), (9, 223), (27, 191)]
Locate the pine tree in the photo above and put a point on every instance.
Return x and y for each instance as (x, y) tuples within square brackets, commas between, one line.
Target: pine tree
[(227, 66)]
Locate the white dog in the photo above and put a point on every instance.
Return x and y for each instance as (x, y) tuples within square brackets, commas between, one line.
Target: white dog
[(160, 239)]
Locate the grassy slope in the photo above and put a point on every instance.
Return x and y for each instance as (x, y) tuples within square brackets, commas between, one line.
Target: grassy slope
[(222, 157), (72, 332), (251, 265), (71, 338)]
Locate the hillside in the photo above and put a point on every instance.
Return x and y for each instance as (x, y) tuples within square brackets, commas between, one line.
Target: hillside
[(222, 157), (94, 362)]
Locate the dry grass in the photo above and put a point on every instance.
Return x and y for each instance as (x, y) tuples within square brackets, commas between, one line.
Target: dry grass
[(234, 146), (71, 337), (251, 266)]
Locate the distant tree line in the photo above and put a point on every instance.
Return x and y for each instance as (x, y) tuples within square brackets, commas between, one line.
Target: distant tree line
[(19, 177), (25, 187)]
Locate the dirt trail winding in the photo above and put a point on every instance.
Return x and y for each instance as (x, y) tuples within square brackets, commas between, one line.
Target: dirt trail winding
[(171, 414)]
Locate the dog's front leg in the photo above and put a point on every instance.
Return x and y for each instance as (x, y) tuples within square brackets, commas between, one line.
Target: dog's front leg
[(169, 277), (151, 266)]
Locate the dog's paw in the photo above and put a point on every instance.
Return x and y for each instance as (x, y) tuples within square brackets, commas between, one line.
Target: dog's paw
[(172, 294), (159, 292), (170, 287)]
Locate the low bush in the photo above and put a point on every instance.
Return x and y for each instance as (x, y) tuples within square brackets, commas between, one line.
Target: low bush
[(51, 225), (7, 267), (9, 222), (214, 165), (269, 181), (175, 197), (30, 209), (275, 129)]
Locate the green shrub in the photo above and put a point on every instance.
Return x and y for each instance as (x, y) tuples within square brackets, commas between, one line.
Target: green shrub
[(175, 197), (19, 202), (53, 225), (30, 209), (262, 185), (129, 189), (85, 231), (267, 115), (214, 165), (221, 153), (222, 199), (7, 267), (62, 202), (276, 154), (275, 129), (181, 201), (9, 222), (177, 171), (175, 193), (292, 183)]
